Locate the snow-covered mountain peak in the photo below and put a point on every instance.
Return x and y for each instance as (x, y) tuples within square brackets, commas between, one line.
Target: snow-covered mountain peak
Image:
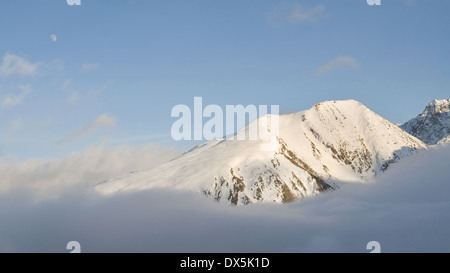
[(437, 107), (313, 151), (342, 103), (433, 125)]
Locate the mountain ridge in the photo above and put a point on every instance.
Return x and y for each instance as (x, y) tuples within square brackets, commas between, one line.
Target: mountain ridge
[(314, 151), (432, 126)]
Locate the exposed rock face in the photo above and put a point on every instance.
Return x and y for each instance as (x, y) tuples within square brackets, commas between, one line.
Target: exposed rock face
[(433, 125)]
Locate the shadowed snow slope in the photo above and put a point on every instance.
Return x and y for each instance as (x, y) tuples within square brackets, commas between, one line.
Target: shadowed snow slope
[(314, 151)]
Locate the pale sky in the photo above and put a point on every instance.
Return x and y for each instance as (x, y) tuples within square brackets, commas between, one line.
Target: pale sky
[(111, 71)]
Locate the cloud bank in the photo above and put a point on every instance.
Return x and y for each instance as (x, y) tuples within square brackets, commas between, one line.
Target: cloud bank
[(43, 179), (406, 210)]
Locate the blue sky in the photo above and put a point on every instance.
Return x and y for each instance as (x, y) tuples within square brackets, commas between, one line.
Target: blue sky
[(116, 68)]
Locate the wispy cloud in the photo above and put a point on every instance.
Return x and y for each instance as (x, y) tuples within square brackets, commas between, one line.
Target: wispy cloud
[(66, 84), (295, 13), (339, 62), (14, 100), (16, 65), (102, 121), (89, 67), (102, 88)]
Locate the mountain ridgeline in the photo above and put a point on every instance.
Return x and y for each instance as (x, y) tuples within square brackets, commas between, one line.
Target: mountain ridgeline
[(317, 150), (433, 125)]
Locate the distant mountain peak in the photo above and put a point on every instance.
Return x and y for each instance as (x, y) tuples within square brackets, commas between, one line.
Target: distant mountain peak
[(437, 107), (433, 125)]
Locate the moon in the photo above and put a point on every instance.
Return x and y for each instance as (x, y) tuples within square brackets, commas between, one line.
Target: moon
[(53, 37)]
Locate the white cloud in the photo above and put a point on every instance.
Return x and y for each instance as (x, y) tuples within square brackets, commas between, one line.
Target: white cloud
[(50, 178), (295, 13), (406, 210), (89, 67), (14, 100), (102, 121), (339, 62), (16, 65)]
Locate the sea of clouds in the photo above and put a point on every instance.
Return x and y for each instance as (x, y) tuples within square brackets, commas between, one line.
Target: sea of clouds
[(44, 204)]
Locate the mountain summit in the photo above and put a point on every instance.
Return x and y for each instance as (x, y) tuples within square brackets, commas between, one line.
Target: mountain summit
[(433, 125), (314, 151)]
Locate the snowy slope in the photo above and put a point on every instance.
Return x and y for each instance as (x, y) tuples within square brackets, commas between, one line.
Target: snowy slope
[(333, 142), (433, 125)]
